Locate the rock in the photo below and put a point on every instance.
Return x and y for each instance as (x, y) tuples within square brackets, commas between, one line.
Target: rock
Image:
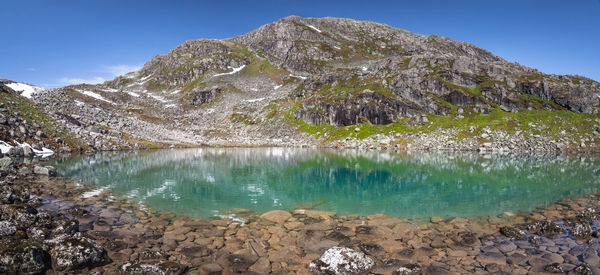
[(277, 216), (261, 266), (583, 269), (436, 219), (237, 263), (75, 252), (7, 228), (28, 152), (491, 258), (514, 233), (342, 260), (44, 170), (16, 151), (545, 228), (408, 269), (211, 269), (158, 268), (5, 162), (581, 231), (22, 257), (506, 246), (554, 268)]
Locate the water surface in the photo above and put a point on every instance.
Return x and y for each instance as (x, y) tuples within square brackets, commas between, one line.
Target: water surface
[(204, 182)]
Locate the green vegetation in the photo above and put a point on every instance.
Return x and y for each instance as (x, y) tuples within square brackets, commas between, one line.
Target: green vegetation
[(342, 90), (553, 124), (242, 118), (264, 68)]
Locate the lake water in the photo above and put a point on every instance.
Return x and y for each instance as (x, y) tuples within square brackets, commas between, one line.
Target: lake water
[(204, 182)]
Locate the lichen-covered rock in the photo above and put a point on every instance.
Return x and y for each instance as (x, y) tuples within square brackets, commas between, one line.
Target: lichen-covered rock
[(545, 228), (581, 231), (512, 232), (71, 252), (342, 260), (7, 228), (22, 257), (152, 268), (408, 269)]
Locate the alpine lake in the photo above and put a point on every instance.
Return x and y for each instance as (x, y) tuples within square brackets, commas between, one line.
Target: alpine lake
[(232, 182)]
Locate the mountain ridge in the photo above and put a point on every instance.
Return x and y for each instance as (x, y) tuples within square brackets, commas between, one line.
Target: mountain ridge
[(302, 81)]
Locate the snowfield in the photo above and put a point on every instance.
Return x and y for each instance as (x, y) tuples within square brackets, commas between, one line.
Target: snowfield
[(26, 90)]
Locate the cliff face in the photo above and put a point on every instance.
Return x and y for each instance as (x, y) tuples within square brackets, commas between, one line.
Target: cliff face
[(318, 71)]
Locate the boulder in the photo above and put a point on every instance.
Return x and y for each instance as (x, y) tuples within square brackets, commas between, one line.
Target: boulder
[(45, 170), (72, 252), (342, 260), (545, 228), (512, 232), (28, 152)]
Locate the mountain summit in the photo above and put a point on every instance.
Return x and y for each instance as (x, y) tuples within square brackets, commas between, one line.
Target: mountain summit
[(298, 79)]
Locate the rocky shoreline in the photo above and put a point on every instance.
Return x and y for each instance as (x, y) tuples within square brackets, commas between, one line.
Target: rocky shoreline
[(47, 226)]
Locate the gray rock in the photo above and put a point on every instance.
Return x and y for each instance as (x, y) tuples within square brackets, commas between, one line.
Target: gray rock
[(5, 162), (44, 170), (342, 260)]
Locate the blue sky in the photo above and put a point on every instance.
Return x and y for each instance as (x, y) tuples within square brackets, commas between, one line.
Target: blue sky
[(61, 42)]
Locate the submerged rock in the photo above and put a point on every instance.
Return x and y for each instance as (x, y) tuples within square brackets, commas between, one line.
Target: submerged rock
[(342, 260), (277, 216)]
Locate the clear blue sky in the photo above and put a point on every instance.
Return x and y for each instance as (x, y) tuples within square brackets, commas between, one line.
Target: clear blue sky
[(60, 42)]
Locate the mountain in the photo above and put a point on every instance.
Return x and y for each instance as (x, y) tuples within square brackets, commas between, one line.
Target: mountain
[(333, 81)]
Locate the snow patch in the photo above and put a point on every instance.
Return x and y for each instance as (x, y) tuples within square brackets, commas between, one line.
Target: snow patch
[(314, 28), (277, 87), (95, 95), (255, 100), (159, 98), (144, 79), (25, 90), (45, 152), (79, 103), (337, 48), (133, 94), (4, 147), (175, 92), (170, 106), (298, 76), (235, 70), (364, 68)]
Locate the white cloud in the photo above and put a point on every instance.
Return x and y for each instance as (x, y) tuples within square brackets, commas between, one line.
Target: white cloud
[(122, 69), (107, 72), (73, 81), (31, 69)]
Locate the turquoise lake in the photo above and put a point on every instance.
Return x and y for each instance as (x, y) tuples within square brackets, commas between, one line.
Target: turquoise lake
[(203, 182)]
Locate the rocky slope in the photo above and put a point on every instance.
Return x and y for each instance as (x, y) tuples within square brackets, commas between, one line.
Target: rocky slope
[(334, 81)]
